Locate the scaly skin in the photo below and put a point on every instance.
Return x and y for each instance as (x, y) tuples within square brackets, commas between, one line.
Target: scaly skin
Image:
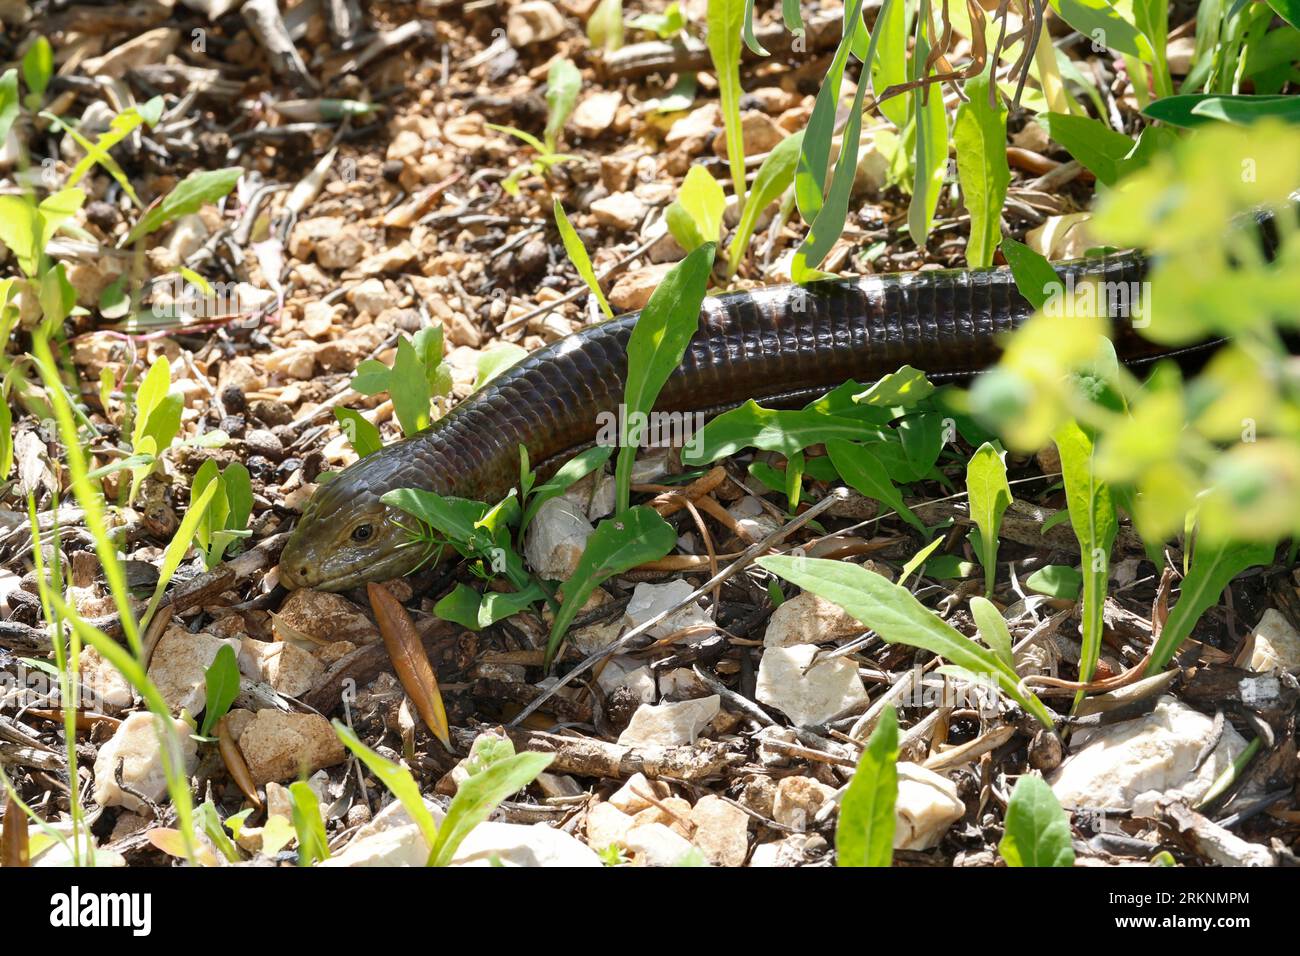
[(784, 342)]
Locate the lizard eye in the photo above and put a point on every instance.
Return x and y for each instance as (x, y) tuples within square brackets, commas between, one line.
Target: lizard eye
[(362, 532)]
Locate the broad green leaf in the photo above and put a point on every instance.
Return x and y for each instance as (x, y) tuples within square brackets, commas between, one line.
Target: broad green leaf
[(479, 795), (1036, 280), (396, 778), (993, 628), (313, 844), (865, 835), (631, 537), (176, 548), (1095, 521), (980, 138), (659, 339), (899, 618), (6, 438), (38, 67), (1213, 567), (573, 470), (695, 217), (9, 106), (901, 389), (725, 23), (222, 681), (577, 254), (605, 25), (1197, 109), (371, 377), (563, 83), (496, 360), (452, 517), (192, 193), (1100, 22), (918, 559), (864, 473), (1056, 580), (408, 385), (1091, 142), (468, 608), (930, 133), (787, 432), (363, 436), (751, 40), (889, 68), (1288, 10), (665, 25), (990, 496), (774, 178), (1037, 829)]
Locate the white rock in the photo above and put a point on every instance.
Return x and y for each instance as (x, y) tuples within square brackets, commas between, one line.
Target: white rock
[(629, 799), (721, 831), (798, 799), (692, 132), (809, 619), (288, 668), (808, 696), (136, 746), (926, 806), (651, 600), (606, 824), (596, 112), (669, 725), (534, 21), (630, 673), (654, 844), (394, 846), (752, 519), (1277, 644), (513, 844), (556, 539), (620, 211), (1157, 752), (103, 686), (279, 746), (179, 667)]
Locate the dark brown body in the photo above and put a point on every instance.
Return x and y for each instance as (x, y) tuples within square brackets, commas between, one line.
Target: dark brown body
[(785, 342)]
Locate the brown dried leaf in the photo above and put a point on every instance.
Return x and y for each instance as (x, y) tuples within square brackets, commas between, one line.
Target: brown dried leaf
[(409, 660), (14, 850), (236, 766)]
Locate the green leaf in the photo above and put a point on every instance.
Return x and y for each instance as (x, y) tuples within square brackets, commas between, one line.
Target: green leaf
[(451, 517), (665, 25), (1213, 567), (695, 217), (6, 438), (363, 436), (577, 254), (563, 83), (222, 681), (751, 40), (371, 377), (1091, 142), (901, 389), (930, 131), (993, 628), (890, 65), (1095, 521), (313, 845), (862, 471), (787, 432), (725, 23), (468, 608), (396, 778), (479, 795), (605, 25), (1197, 109), (631, 537), (899, 618), (573, 470), (1099, 21), (980, 138), (1056, 580), (659, 339), (865, 835), (9, 106), (190, 194), (1037, 829), (918, 559), (176, 548), (1036, 280), (496, 360), (990, 496), (38, 67), (408, 384), (1288, 10), (774, 178)]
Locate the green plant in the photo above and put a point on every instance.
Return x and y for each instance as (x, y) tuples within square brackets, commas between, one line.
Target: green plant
[(563, 83), (313, 845), (898, 617), (418, 376), (865, 835), (605, 25), (577, 254), (1037, 829), (221, 681), (726, 20), (664, 25), (695, 216), (990, 496), (225, 520)]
